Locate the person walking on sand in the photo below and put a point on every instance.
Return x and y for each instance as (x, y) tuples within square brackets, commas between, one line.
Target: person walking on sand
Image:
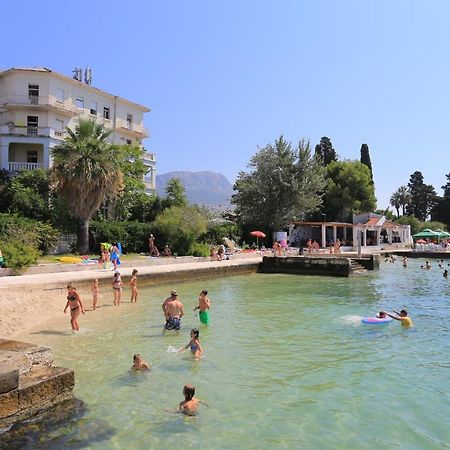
[(133, 285), (173, 311), (95, 290), (151, 244), (117, 288), (76, 307), (204, 304)]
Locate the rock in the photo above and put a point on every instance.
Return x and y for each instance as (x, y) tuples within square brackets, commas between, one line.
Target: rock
[(9, 379)]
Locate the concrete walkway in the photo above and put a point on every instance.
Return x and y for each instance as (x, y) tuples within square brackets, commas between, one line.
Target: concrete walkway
[(174, 271)]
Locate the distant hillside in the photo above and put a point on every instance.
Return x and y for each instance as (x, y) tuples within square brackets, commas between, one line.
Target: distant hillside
[(203, 188)]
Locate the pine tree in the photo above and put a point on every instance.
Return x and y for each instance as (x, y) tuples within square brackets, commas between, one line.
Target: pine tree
[(365, 159), (423, 197), (326, 151)]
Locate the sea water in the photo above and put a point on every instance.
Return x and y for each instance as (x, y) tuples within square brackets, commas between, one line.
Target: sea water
[(287, 364)]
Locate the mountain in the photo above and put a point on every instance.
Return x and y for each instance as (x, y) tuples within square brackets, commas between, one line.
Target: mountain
[(202, 188)]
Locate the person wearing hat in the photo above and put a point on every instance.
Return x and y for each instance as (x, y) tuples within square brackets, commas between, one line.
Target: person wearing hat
[(173, 311)]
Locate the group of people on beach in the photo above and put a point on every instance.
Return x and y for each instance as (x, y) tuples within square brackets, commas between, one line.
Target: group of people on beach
[(173, 310)]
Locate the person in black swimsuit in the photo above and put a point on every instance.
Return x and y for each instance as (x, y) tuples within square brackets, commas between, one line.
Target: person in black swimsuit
[(76, 307)]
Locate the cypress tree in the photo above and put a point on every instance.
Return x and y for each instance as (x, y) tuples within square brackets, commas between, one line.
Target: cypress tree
[(365, 159)]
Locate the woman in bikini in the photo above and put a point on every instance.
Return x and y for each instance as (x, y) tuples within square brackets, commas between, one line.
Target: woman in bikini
[(194, 345), (117, 288), (76, 307), (133, 285)]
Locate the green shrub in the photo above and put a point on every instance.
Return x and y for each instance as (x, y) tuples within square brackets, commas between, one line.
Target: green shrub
[(132, 235), (199, 249), (37, 234), (18, 254)]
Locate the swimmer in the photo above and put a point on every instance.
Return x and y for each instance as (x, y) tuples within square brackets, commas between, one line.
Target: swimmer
[(76, 307), (194, 345), (173, 311), (405, 261), (445, 274), (381, 315), (133, 284), (139, 363), (95, 290), (204, 303), (401, 316), (189, 405), (427, 265)]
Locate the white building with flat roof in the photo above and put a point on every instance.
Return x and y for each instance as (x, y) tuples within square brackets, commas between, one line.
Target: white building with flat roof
[(37, 104)]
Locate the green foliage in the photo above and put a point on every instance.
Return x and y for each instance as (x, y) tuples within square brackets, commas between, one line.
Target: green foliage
[(199, 249), (180, 227), (387, 213), (349, 190), (175, 193), (132, 235), (216, 233), (325, 151), (423, 197), (365, 159), (441, 210), (40, 235), (145, 207), (433, 225), (18, 254), (283, 185), (412, 221)]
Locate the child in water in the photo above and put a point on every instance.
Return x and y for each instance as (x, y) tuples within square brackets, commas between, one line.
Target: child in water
[(117, 288), (139, 363), (194, 344), (95, 291), (133, 284), (189, 405)]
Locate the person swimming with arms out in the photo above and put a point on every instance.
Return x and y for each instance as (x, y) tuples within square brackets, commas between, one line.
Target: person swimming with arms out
[(139, 363), (194, 345), (204, 303), (401, 316), (76, 307)]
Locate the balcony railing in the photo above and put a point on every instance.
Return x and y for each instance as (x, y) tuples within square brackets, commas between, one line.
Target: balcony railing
[(131, 128), (41, 101), (32, 131), (14, 166)]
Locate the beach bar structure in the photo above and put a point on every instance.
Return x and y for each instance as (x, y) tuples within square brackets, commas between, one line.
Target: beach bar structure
[(371, 230)]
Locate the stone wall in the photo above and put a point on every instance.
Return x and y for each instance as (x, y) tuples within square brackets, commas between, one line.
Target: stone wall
[(29, 384), (304, 265)]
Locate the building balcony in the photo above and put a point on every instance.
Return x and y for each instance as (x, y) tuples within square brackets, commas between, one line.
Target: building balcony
[(16, 166), (32, 131), (43, 103), (150, 157), (131, 129)]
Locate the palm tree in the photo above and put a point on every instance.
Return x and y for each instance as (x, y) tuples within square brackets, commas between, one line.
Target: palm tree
[(85, 172), (395, 202), (404, 197)]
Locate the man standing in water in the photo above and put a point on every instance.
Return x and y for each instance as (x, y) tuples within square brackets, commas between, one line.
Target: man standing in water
[(173, 311), (402, 316), (204, 303)]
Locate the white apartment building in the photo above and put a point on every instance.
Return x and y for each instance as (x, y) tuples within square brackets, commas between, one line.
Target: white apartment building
[(37, 104)]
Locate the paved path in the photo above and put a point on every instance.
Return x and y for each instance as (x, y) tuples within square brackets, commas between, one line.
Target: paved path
[(54, 280)]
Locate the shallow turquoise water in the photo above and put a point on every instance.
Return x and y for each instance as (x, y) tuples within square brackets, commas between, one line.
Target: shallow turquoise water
[(287, 365)]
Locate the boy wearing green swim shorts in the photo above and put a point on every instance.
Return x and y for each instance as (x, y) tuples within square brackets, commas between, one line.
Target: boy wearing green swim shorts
[(204, 303)]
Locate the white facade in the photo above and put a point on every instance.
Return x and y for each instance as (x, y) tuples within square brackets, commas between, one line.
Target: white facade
[(36, 106)]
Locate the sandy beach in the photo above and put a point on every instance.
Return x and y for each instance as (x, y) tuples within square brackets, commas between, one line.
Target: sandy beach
[(28, 301)]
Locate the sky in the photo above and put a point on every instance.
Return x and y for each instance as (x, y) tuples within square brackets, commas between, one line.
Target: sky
[(224, 78)]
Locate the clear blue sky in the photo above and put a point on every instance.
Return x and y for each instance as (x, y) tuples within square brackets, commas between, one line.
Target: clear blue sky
[(223, 77)]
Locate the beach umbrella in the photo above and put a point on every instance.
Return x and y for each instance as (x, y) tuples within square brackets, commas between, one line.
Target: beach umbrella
[(421, 241), (427, 233), (443, 234), (257, 234)]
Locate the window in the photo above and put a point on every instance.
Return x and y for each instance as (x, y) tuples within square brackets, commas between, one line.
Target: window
[(80, 102), (106, 112), (93, 108), (60, 94), (32, 156), (59, 125), (129, 121), (129, 141), (148, 177), (33, 93), (32, 125)]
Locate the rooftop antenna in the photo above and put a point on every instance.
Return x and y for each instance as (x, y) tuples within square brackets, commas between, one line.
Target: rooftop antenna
[(77, 74), (88, 75)]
